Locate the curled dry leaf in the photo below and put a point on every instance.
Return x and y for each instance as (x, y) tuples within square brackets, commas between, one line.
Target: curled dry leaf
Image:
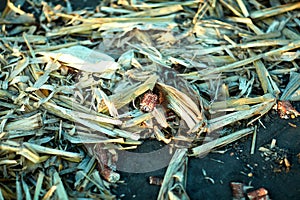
[(84, 59), (14, 15), (183, 105)]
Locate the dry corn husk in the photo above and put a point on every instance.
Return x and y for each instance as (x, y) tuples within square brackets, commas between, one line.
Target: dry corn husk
[(84, 59), (292, 90), (174, 182), (72, 77)]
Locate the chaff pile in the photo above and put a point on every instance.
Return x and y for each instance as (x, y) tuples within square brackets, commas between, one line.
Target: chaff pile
[(115, 75)]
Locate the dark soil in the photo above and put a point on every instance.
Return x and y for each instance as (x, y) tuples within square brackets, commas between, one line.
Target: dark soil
[(234, 166)]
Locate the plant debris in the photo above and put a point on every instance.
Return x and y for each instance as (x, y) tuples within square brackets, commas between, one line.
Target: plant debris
[(237, 190), (77, 86), (259, 194), (153, 180), (286, 110), (278, 157)]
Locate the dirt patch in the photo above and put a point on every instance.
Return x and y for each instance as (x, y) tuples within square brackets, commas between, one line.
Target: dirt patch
[(236, 164)]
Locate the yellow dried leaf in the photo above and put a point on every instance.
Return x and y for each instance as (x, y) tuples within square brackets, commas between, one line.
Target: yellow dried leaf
[(84, 59)]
